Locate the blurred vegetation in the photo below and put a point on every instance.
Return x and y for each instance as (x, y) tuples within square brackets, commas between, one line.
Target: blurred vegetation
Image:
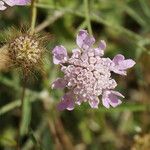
[(125, 25)]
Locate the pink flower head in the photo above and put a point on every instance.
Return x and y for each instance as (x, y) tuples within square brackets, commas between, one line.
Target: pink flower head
[(87, 74), (11, 3)]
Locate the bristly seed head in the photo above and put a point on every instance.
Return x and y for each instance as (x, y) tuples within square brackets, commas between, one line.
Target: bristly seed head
[(25, 51)]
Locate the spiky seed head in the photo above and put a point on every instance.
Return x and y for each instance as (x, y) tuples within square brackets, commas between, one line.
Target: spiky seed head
[(25, 51)]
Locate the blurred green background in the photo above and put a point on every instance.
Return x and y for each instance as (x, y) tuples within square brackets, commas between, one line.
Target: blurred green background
[(125, 25)]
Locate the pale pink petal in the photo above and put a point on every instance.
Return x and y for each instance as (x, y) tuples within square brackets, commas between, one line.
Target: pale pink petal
[(118, 58), (62, 105), (116, 103), (120, 64), (84, 40), (102, 45), (125, 64), (16, 2), (118, 71), (99, 51), (2, 7), (67, 102), (117, 93), (10, 2), (59, 83), (79, 99), (111, 98), (105, 102), (76, 53), (94, 102), (59, 55)]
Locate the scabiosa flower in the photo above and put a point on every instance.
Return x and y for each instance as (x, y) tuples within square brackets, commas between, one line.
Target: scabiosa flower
[(87, 74), (4, 3)]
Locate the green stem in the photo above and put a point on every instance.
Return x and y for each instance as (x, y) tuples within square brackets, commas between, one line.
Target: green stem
[(33, 16), (21, 108), (9, 107), (87, 16), (17, 103)]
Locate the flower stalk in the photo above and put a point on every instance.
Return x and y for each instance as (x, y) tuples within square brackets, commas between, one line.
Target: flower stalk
[(87, 15), (33, 16), (33, 22)]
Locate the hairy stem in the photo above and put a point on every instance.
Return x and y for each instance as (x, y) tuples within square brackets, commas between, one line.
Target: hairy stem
[(33, 22), (21, 108), (87, 16)]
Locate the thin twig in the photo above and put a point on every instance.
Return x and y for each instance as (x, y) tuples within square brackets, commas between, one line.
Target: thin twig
[(29, 144), (99, 19), (33, 16), (52, 130), (49, 20), (63, 136), (21, 108), (17, 103), (60, 137), (94, 17)]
